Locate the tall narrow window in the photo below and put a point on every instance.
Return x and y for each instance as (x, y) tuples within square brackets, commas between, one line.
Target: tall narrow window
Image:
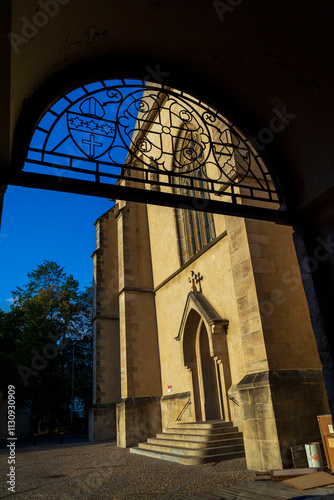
[(196, 229)]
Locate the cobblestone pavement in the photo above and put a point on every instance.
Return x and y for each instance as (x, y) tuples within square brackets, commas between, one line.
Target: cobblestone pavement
[(101, 470)]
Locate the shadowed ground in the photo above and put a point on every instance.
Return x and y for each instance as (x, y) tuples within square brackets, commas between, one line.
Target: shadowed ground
[(90, 470), (75, 470)]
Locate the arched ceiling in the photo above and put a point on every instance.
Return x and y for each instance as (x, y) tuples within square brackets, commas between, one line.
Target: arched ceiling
[(255, 58)]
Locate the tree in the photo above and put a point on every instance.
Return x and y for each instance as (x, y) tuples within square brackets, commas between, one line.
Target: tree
[(50, 319)]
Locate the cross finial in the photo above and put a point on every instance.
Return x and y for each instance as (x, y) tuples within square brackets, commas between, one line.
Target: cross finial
[(195, 279), (192, 280)]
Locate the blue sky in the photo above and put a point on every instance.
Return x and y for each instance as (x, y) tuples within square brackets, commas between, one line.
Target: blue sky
[(39, 224)]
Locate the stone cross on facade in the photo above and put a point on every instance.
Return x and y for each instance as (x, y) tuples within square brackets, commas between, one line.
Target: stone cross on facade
[(195, 280)]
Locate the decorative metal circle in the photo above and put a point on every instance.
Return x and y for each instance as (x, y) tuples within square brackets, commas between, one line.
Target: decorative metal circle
[(111, 131)]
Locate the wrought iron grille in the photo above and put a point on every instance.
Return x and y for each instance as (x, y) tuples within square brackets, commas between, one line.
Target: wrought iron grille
[(149, 136)]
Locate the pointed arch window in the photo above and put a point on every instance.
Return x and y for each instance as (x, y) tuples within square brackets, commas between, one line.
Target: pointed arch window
[(196, 229)]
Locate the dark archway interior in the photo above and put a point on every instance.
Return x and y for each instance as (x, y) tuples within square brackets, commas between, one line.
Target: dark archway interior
[(196, 352), (212, 410), (189, 353)]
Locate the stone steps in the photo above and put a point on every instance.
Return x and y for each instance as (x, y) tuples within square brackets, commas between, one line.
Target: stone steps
[(195, 443), (209, 424), (182, 443), (202, 432), (195, 452), (187, 460), (199, 438)]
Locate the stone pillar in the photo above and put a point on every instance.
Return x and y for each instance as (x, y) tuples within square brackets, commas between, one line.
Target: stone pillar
[(282, 392), (220, 349), (106, 346), (138, 413), (257, 418), (279, 409), (243, 250)]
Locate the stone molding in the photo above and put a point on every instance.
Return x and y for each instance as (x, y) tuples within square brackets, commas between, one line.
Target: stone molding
[(177, 395), (103, 406), (204, 309), (100, 316), (134, 289), (271, 377), (139, 400), (191, 260)]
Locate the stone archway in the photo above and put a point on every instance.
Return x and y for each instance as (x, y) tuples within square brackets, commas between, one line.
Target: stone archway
[(211, 408), (204, 351)]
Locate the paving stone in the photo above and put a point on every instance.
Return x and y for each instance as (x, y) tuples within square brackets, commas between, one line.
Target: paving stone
[(101, 470)]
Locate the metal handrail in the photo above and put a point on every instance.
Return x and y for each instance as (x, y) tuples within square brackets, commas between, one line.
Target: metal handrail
[(233, 399), (178, 418)]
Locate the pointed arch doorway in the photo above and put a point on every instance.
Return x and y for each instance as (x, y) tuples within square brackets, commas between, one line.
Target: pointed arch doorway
[(204, 351)]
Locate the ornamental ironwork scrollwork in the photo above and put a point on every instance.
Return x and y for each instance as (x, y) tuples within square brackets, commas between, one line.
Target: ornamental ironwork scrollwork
[(158, 137)]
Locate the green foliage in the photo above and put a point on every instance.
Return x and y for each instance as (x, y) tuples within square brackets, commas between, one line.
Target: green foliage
[(48, 326)]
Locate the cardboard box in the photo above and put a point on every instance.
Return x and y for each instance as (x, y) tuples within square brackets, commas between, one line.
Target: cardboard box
[(329, 446), (280, 474), (326, 429), (310, 481)]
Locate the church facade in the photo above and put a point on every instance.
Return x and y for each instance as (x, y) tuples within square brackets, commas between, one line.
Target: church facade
[(198, 314)]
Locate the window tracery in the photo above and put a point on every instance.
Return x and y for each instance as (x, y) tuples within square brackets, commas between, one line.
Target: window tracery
[(196, 228)]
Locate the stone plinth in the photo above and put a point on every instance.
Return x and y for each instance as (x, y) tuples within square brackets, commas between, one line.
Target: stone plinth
[(137, 420), (172, 405), (102, 422), (279, 409)]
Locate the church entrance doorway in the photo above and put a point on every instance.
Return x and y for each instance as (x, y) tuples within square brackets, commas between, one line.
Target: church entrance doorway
[(208, 383), (206, 371)]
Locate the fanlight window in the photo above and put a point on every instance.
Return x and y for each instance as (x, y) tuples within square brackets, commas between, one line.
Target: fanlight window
[(135, 134)]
